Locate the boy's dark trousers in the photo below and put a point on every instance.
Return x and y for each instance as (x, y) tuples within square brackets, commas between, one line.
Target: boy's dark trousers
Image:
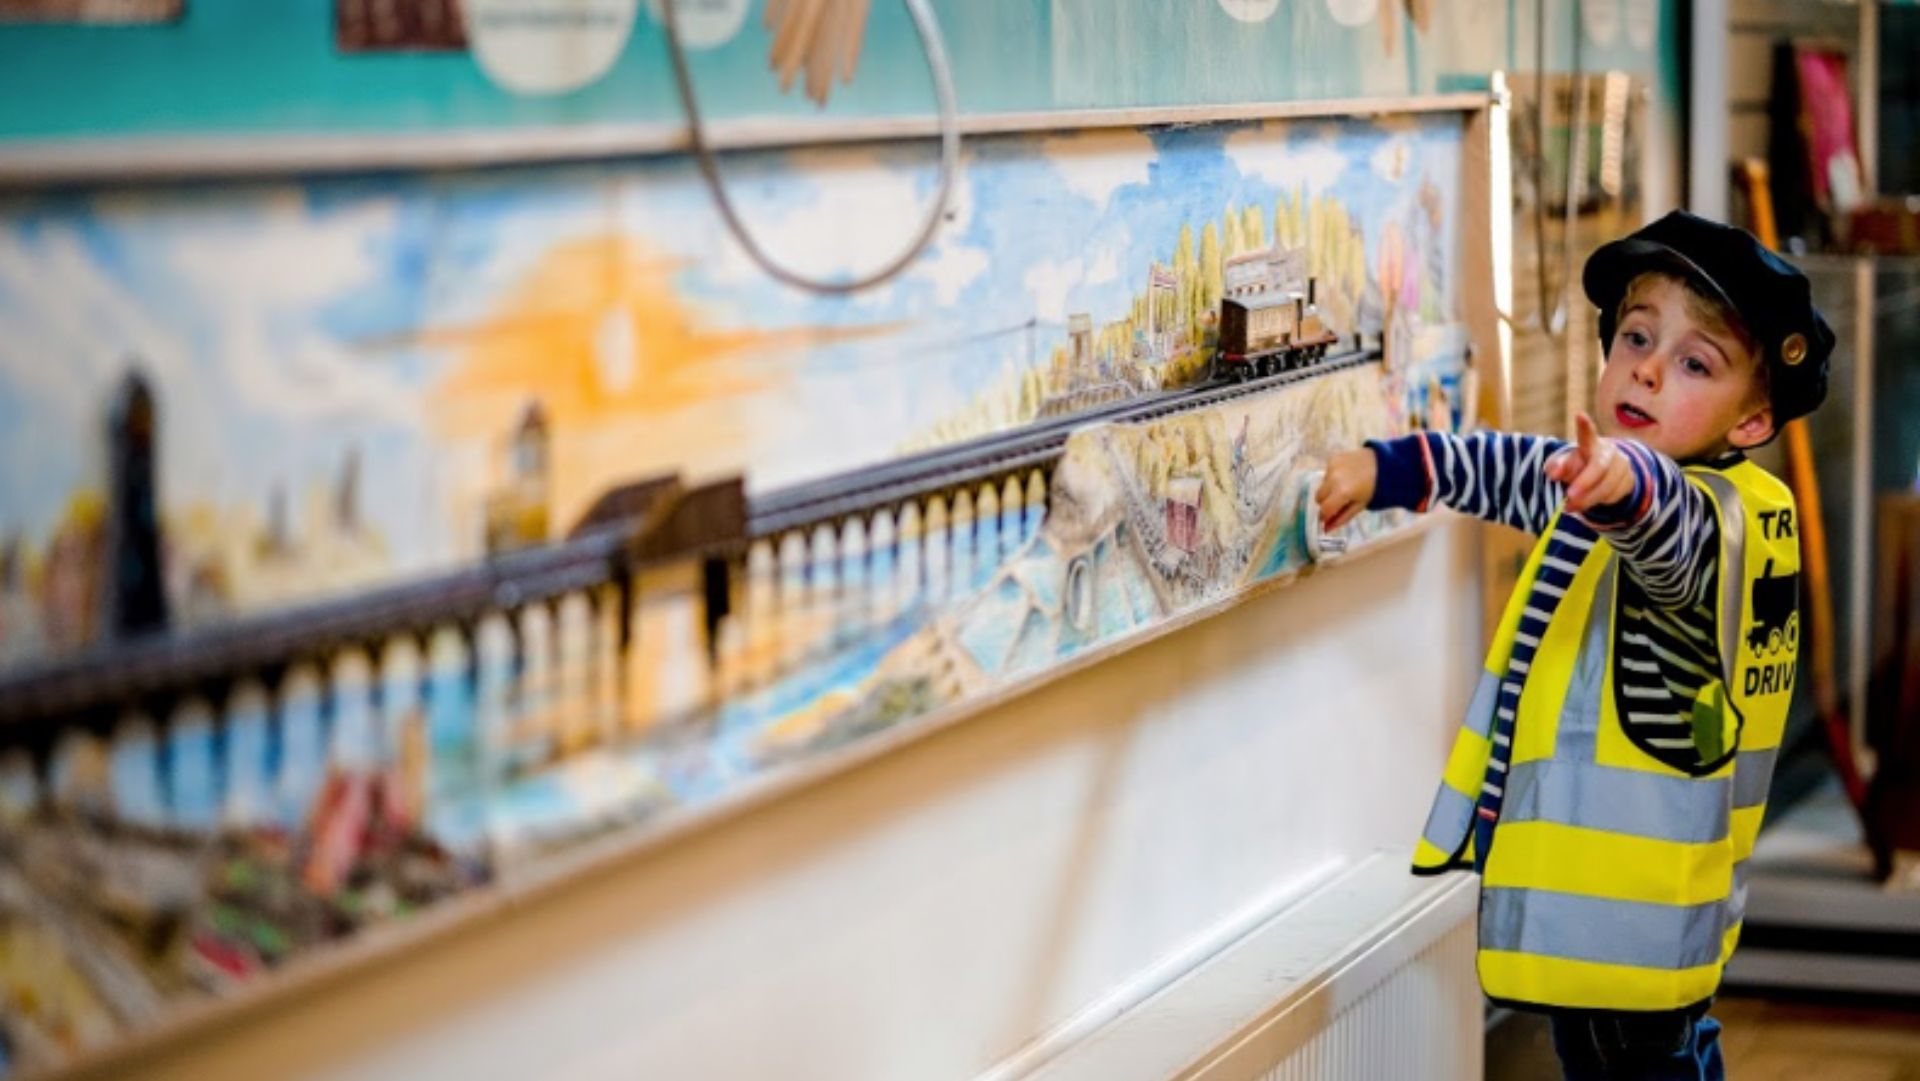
[(1607, 1046)]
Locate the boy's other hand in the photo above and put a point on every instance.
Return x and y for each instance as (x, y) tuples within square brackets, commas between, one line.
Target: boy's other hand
[(1346, 487), (1593, 469)]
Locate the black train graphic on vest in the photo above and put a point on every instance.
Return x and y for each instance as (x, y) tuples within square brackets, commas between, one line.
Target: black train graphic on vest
[(1776, 615)]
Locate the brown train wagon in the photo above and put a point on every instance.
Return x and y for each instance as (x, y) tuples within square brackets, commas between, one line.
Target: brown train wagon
[(1270, 332)]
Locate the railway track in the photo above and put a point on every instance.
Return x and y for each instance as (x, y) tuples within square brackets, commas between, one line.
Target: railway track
[(962, 464), (646, 524)]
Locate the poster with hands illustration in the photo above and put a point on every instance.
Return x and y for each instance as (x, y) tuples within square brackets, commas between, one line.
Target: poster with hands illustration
[(821, 38)]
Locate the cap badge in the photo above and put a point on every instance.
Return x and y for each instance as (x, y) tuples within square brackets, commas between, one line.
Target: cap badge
[(1794, 349)]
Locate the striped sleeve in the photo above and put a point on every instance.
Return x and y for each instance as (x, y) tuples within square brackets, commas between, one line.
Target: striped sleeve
[(1498, 476), (1665, 532)]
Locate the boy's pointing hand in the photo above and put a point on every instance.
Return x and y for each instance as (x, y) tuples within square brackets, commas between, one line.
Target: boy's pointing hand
[(1594, 470)]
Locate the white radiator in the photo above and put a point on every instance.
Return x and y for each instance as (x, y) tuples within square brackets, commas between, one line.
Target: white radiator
[(1423, 1022), (1368, 978)]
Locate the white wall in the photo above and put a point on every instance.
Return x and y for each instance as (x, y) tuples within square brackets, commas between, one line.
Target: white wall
[(928, 914)]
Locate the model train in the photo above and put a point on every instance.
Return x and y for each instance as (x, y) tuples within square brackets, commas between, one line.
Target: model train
[(1270, 331)]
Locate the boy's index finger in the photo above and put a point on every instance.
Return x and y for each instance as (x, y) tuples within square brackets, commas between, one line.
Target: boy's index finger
[(1585, 433)]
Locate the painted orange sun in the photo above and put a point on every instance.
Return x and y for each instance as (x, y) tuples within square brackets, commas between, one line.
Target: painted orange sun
[(630, 377)]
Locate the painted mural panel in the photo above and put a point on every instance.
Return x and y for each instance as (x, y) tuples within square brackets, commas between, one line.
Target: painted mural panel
[(356, 381), (214, 404)]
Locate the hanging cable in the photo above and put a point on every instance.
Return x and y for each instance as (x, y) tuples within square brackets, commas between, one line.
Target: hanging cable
[(949, 121), (1553, 322), (1540, 92)]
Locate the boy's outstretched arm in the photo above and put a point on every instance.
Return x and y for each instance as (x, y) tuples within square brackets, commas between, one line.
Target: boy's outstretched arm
[(1662, 527), (1659, 525), (1498, 476)]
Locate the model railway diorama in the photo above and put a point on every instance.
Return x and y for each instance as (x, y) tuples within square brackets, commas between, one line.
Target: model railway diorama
[(651, 522), (239, 794), (195, 796), (1270, 335)]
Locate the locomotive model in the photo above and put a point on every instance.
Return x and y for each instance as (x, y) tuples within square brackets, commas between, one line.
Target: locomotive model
[(1776, 615), (1269, 331)]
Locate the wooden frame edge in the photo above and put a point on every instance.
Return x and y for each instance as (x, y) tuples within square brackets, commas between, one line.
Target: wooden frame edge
[(156, 159)]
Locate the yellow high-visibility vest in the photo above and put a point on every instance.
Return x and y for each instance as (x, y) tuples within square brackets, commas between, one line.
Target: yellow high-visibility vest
[(1615, 880)]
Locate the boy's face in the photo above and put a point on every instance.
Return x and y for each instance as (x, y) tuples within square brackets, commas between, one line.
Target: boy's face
[(1678, 382)]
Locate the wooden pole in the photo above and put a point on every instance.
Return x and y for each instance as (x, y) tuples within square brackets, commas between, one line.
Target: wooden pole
[(1814, 566)]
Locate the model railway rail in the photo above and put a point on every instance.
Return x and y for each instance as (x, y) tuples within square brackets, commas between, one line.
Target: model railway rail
[(642, 526), (966, 464)]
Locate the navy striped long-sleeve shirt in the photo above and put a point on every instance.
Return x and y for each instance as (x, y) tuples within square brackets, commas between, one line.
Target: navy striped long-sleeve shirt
[(1664, 532)]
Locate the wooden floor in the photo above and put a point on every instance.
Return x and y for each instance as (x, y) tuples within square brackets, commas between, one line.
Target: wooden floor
[(1765, 1040), (1769, 1040)]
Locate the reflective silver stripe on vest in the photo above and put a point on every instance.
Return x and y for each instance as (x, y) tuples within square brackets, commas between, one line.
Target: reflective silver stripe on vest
[(1486, 698), (1629, 801), (1752, 776), (1579, 725), (1452, 813), (1449, 820), (1752, 770), (1547, 923), (1733, 554)]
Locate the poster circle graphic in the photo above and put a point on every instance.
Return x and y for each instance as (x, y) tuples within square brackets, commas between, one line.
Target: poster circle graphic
[(704, 24), (1643, 20), (1250, 11), (1353, 12), (540, 47)]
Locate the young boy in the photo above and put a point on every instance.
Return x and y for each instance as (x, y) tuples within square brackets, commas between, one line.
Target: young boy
[(1611, 774)]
